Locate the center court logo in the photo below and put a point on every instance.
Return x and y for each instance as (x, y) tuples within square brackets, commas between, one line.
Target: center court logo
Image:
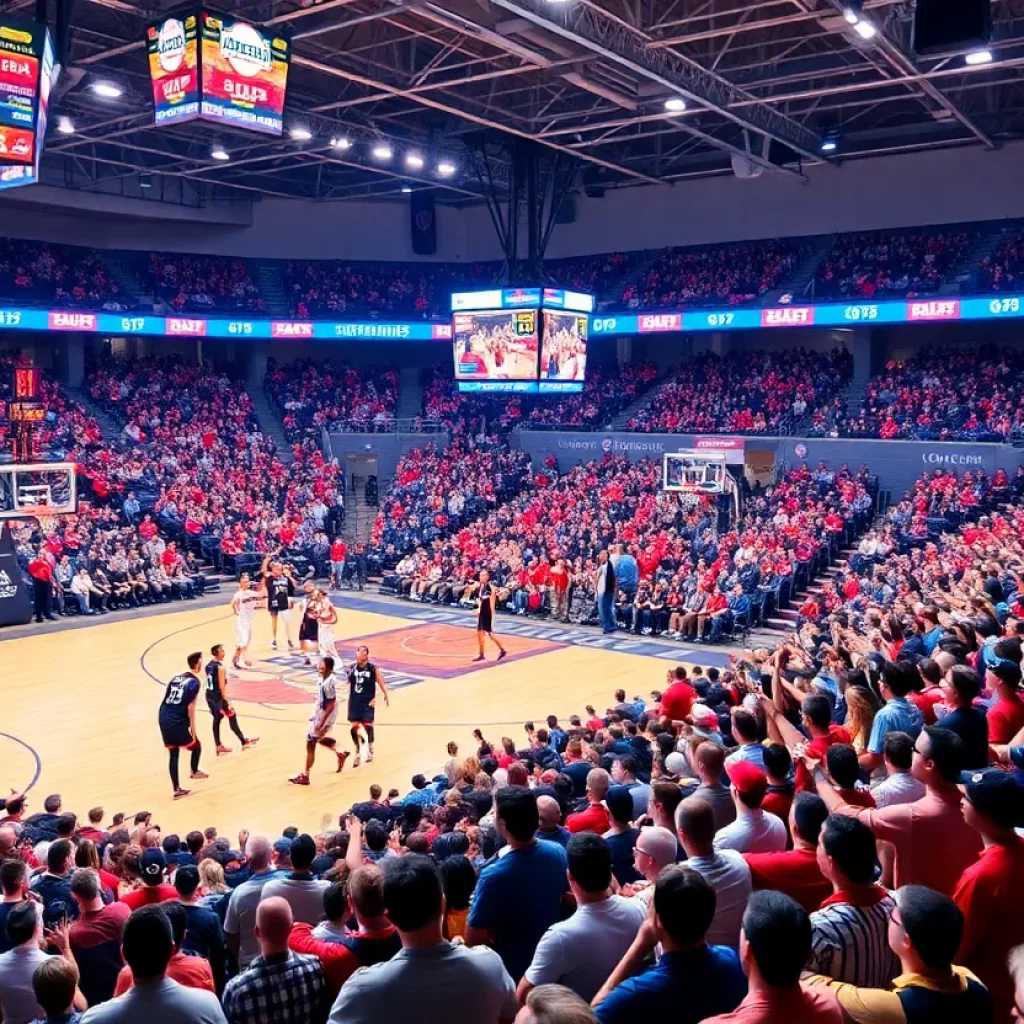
[(246, 50), (171, 45)]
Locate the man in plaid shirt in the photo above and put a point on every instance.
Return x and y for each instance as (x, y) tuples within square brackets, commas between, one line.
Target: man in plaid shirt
[(279, 986)]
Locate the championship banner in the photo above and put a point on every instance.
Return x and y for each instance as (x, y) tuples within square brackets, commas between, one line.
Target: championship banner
[(173, 47), (244, 73)]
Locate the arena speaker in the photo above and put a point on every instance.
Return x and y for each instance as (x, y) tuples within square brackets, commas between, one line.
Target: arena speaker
[(745, 168), (423, 222), (951, 26)]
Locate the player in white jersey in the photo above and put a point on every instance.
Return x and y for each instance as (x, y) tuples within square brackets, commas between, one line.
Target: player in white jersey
[(320, 725), (327, 615), (244, 604)]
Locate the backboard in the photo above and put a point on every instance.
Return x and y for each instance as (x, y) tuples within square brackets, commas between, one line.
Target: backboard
[(31, 490), (701, 472)]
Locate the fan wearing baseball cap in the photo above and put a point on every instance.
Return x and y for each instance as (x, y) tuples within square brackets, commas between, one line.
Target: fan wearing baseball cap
[(990, 893), (754, 830), (152, 865)]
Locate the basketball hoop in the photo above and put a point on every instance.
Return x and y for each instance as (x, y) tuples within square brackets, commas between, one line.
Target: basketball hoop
[(688, 500), (47, 525)]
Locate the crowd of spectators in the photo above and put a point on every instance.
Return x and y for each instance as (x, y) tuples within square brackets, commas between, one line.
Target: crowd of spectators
[(726, 275), (944, 393), (1001, 272), (594, 275), (312, 394), (745, 392), (38, 273), (890, 263), (204, 283), (678, 572), (740, 845)]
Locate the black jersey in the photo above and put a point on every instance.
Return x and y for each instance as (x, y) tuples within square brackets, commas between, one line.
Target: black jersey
[(485, 595), (279, 589), (213, 668), (362, 681), (182, 690)]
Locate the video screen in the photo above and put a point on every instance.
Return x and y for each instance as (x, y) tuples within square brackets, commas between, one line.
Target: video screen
[(21, 44), (245, 74), (173, 47), (563, 359), (496, 350)]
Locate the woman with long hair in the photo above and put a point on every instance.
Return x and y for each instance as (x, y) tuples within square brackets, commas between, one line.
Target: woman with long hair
[(860, 716), (87, 856)]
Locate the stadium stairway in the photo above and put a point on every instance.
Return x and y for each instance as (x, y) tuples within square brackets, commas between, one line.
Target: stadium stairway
[(270, 424), (620, 419), (801, 282), (410, 393), (987, 247), (127, 270), (270, 281), (110, 427)]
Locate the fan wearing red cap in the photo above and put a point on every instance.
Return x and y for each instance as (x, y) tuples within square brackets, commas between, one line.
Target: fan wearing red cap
[(754, 830)]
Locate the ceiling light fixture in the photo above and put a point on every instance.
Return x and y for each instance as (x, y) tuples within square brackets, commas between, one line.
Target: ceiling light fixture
[(218, 152), (145, 180), (65, 125), (413, 161), (383, 151), (108, 90), (340, 142), (976, 57), (865, 29), (675, 105), (446, 168), (406, 190), (300, 133)]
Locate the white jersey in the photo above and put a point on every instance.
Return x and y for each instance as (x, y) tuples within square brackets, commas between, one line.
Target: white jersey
[(247, 601), (326, 692)]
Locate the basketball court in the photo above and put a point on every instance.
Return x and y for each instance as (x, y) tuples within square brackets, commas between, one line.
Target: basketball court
[(80, 706)]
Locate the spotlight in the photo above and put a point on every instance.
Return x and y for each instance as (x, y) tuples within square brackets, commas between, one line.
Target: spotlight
[(66, 126), (405, 190), (382, 151), (413, 161), (976, 57), (830, 140), (675, 105), (300, 133), (446, 168), (108, 90), (145, 180), (851, 15), (865, 29), (340, 142), (218, 152)]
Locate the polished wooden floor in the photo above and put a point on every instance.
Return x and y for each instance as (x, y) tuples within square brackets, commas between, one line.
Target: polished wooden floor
[(79, 707)]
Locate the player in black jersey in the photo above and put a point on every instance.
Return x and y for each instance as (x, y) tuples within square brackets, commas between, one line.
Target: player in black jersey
[(280, 585), (485, 616), (178, 721), (363, 680), (218, 703)]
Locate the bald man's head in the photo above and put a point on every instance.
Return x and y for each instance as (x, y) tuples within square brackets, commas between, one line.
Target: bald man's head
[(549, 812), (598, 781), (257, 849), (8, 840), (273, 925)]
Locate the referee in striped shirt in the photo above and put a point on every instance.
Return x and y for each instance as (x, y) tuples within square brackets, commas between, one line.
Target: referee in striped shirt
[(850, 932)]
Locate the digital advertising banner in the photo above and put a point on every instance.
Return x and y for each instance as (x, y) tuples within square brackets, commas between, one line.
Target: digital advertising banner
[(563, 358), (244, 73), (173, 47), (26, 78), (496, 350)]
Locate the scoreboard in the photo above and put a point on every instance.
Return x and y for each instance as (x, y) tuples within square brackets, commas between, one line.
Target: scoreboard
[(217, 67)]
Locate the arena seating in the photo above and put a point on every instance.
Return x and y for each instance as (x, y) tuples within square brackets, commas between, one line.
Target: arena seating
[(311, 394), (890, 263), (204, 283), (716, 275), (40, 273), (943, 393), (1003, 270), (745, 393)]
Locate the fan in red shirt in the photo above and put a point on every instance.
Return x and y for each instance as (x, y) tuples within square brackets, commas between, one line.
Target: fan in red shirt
[(796, 872), (1006, 716), (152, 866), (816, 717), (677, 700), (595, 818), (990, 892)]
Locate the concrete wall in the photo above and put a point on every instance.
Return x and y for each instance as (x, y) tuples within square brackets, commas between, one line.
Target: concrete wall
[(897, 463), (941, 186), (387, 448)]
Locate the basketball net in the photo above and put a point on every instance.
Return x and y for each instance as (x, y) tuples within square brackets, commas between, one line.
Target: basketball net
[(47, 524), (689, 500)]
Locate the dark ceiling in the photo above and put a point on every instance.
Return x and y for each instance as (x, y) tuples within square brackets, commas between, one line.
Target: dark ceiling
[(466, 81)]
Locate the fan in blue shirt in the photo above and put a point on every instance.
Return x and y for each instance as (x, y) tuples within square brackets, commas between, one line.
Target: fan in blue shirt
[(692, 980)]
